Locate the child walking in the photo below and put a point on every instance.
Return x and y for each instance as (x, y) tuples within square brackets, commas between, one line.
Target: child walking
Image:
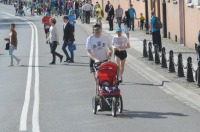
[(142, 19)]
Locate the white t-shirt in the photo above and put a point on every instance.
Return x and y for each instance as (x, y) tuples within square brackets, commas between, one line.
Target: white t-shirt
[(119, 41), (99, 46)]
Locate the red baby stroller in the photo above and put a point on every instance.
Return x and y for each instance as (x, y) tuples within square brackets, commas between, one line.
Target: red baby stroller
[(107, 92)]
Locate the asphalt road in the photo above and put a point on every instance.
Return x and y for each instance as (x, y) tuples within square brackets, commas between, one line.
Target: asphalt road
[(58, 98)]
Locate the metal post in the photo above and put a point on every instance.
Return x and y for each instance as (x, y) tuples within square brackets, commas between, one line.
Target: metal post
[(147, 16), (164, 19), (190, 77), (145, 48)]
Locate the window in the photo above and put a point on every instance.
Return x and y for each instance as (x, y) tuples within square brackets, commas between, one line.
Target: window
[(174, 1), (190, 3), (197, 2)]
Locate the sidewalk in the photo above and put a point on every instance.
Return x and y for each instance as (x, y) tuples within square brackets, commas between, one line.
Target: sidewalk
[(170, 83)]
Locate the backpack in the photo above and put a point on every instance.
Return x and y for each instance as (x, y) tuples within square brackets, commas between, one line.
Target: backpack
[(157, 24)]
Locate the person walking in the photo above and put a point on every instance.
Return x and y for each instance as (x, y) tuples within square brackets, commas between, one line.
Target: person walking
[(60, 7), (156, 37), (68, 39), (16, 8), (142, 19), (13, 44), (99, 47), (132, 14), (119, 14), (76, 6), (72, 19), (111, 14), (33, 6), (54, 40), (126, 20), (45, 21), (107, 7), (120, 44), (87, 8), (52, 4), (95, 8), (99, 15)]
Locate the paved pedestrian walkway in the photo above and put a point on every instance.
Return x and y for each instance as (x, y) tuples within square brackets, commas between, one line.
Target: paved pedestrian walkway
[(136, 40)]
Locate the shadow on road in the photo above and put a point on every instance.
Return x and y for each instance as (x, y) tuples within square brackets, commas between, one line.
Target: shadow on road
[(147, 114), (35, 66), (144, 84)]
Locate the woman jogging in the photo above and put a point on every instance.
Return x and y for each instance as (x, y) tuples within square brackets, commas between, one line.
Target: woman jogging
[(120, 44)]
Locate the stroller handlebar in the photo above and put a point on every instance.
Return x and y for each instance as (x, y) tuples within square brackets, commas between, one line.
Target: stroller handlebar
[(97, 64)]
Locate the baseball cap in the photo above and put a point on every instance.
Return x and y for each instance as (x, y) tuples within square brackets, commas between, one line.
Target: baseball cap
[(46, 13), (97, 26), (70, 10), (118, 29)]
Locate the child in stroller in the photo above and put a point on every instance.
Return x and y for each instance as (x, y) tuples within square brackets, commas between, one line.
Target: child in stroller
[(107, 91)]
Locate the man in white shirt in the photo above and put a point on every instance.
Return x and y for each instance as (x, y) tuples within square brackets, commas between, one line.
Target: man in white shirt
[(87, 8), (99, 47)]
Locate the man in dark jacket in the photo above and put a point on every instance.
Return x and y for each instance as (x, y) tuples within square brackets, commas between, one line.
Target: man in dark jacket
[(107, 7), (68, 39)]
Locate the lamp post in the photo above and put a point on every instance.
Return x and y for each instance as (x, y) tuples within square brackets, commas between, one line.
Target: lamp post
[(164, 10), (147, 16)]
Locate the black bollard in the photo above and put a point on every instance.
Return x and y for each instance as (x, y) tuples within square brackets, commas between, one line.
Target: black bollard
[(157, 57), (163, 59), (171, 61), (197, 48), (180, 66), (150, 51), (145, 48), (190, 77), (198, 74)]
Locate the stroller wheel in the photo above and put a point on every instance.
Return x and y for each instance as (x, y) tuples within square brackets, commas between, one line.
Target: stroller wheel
[(94, 105), (114, 106), (120, 104)]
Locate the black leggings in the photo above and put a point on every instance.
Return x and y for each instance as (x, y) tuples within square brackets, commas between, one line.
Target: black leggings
[(111, 24), (53, 51)]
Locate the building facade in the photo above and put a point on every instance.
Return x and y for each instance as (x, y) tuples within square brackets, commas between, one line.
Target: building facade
[(181, 18)]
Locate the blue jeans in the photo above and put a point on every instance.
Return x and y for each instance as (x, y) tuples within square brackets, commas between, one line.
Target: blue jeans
[(11, 49), (119, 21), (65, 44)]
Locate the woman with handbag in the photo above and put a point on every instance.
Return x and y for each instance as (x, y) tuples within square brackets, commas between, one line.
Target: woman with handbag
[(12, 44)]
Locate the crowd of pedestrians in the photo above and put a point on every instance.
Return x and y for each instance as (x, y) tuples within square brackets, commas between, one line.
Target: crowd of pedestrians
[(98, 45)]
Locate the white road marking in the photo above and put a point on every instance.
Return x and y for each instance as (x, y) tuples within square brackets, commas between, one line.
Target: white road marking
[(24, 114), (6, 17), (35, 116)]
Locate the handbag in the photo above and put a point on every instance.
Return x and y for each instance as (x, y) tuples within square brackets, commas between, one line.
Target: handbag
[(107, 18), (7, 46), (71, 47)]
